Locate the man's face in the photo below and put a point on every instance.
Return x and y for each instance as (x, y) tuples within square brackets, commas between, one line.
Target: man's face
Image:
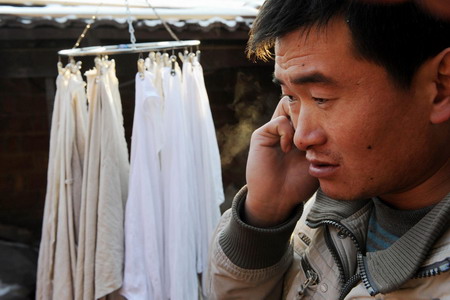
[(363, 135)]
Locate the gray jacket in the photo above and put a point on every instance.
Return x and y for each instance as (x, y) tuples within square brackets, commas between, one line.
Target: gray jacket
[(322, 256)]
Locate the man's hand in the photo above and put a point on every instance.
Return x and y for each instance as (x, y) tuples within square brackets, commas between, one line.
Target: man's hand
[(277, 172)]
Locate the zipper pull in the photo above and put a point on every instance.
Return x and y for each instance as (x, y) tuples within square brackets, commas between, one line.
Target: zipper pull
[(311, 279)]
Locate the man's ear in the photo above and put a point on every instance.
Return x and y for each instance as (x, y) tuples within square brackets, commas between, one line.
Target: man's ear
[(441, 105)]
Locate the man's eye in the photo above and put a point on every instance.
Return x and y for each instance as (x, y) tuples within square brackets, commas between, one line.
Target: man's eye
[(320, 100), (290, 98)]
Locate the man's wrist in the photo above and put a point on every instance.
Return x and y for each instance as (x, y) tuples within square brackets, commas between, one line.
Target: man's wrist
[(259, 215), (251, 247)]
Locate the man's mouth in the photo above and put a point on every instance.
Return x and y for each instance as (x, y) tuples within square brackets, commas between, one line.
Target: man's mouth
[(322, 169)]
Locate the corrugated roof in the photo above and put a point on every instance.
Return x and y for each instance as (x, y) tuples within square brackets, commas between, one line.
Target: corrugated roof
[(201, 14), (143, 3)]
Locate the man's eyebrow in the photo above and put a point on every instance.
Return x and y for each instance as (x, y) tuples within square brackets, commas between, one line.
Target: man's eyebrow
[(308, 78)]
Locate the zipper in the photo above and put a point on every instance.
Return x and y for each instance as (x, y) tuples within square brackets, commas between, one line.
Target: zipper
[(343, 277), (364, 277), (312, 277), (349, 285), (360, 257), (434, 269)]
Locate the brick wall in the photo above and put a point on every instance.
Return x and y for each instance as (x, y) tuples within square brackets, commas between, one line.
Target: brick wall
[(24, 138)]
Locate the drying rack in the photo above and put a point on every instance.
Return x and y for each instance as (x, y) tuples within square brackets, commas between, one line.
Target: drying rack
[(129, 48)]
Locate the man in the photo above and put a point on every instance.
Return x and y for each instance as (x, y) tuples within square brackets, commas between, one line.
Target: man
[(365, 119)]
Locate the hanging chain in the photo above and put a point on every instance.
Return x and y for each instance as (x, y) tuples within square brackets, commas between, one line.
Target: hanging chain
[(88, 26), (172, 34), (83, 34), (130, 25)]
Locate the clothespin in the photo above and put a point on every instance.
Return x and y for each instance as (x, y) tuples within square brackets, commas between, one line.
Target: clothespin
[(59, 65), (75, 67), (99, 66), (141, 67), (166, 60), (152, 57), (173, 61), (183, 56), (158, 57), (192, 57)]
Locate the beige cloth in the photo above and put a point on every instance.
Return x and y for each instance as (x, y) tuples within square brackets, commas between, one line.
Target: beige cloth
[(57, 256), (104, 191)]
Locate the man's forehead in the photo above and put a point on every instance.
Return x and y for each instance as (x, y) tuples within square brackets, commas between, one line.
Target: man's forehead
[(316, 45), (336, 30)]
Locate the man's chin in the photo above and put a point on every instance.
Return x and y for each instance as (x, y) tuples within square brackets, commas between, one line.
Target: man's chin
[(343, 194)]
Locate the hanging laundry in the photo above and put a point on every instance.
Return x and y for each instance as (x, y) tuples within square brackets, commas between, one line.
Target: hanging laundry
[(92, 248), (144, 236), (194, 163), (104, 189), (206, 156), (154, 64), (57, 255), (179, 211), (175, 182)]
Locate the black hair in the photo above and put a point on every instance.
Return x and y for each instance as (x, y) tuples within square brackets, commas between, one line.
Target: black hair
[(399, 37)]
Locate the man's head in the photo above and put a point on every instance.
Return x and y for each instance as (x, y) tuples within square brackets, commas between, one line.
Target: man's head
[(371, 112), (400, 37)]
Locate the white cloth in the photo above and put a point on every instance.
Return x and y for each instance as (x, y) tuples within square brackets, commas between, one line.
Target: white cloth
[(57, 255), (104, 190), (144, 237), (175, 184), (195, 163), (206, 157), (211, 144), (179, 211)]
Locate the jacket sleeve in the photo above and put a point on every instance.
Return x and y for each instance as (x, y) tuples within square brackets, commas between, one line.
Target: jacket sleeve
[(247, 262)]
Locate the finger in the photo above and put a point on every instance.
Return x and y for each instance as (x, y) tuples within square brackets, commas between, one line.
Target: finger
[(277, 131), (282, 108)]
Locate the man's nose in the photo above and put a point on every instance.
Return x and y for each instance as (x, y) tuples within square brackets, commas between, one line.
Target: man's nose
[(308, 131)]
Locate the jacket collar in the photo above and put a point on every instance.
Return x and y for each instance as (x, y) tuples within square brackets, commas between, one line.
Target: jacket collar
[(387, 269)]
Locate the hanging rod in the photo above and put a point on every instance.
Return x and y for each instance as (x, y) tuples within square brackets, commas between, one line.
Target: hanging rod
[(128, 48)]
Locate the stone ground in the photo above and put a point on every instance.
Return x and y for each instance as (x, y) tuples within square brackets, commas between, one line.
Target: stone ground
[(18, 264)]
